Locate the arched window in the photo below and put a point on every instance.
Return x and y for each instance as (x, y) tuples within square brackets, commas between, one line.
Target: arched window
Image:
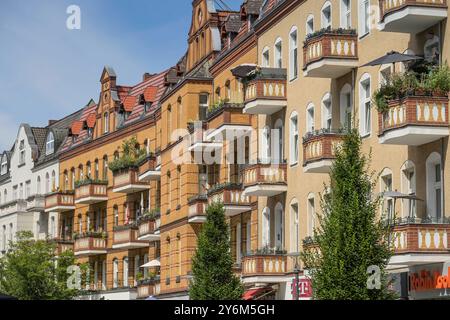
[(66, 180), (266, 227), (4, 165), (294, 227), (145, 269), (115, 273), (47, 183), (434, 187), (326, 15), (50, 144), (88, 170), (408, 186), (116, 216), (346, 14), (279, 137), (278, 56), (327, 112), (346, 106), (5, 196), (106, 122), (266, 57), (228, 90), (386, 181), (96, 170), (80, 172), (310, 118), (294, 139), (53, 181), (125, 272), (279, 227), (105, 168), (293, 54), (38, 185), (365, 105), (311, 205), (309, 24), (265, 144), (72, 178)]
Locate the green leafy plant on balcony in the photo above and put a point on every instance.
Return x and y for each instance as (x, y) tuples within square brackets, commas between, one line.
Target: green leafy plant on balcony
[(328, 30), (131, 156), (268, 251), (150, 215), (218, 105), (435, 82), (90, 234), (89, 181)]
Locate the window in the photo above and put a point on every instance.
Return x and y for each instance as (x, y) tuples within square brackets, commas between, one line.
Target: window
[(105, 168), (279, 228), (326, 15), (434, 187), (21, 191), (88, 170), (115, 273), (203, 106), (238, 243), (14, 193), (4, 165), (136, 269), (431, 50), (116, 216), (409, 188), (106, 122), (104, 275), (266, 58), (346, 14), (22, 152), (294, 139), (385, 74), (364, 17), (327, 113), (125, 272), (293, 54), (50, 144), (4, 241), (66, 180), (248, 244), (311, 215), (365, 107), (73, 178), (80, 224), (346, 107), (53, 181), (27, 189), (310, 24), (266, 228), (279, 137), (295, 236), (386, 186), (228, 90), (145, 269), (96, 170), (266, 145), (52, 228), (278, 63), (310, 118)]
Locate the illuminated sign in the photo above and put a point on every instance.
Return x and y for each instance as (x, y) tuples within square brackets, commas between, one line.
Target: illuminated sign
[(427, 280), (305, 289)]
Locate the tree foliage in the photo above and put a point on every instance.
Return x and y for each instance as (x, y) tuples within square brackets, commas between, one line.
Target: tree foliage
[(213, 264), (350, 237), (31, 271)]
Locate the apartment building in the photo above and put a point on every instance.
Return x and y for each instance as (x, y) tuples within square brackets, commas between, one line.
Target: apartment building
[(29, 171)]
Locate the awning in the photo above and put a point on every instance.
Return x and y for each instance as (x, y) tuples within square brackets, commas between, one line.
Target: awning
[(254, 294), (152, 264), (398, 195)]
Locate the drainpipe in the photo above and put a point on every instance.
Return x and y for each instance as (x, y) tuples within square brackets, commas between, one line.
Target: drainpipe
[(443, 178), (354, 97)]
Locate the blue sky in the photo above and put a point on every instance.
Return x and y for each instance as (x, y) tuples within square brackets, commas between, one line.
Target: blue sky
[(48, 71)]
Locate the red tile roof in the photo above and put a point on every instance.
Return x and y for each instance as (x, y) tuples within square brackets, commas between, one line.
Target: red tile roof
[(128, 103), (150, 93), (76, 127), (91, 120)]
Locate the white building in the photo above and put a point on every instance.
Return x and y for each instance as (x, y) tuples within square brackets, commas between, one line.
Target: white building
[(27, 172)]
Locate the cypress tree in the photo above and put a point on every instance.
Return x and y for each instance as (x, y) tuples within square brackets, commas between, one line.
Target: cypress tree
[(212, 268), (350, 237)]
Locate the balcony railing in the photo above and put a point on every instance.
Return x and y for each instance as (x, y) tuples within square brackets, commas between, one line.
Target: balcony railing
[(319, 150), (148, 287), (13, 207), (232, 196), (265, 180), (414, 120), (330, 53), (149, 168), (63, 246), (127, 181), (148, 229), (197, 209), (90, 192), (411, 16), (266, 92), (127, 237), (60, 202), (264, 265), (36, 203), (227, 117), (87, 245)]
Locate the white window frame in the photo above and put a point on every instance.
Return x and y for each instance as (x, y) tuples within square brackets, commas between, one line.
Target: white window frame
[(294, 138), (238, 243), (266, 145), (294, 230), (50, 144), (310, 118), (265, 57), (326, 22), (408, 174), (365, 105), (105, 122), (346, 14), (364, 18), (278, 53), (346, 108), (309, 24), (327, 112), (125, 270), (293, 54), (265, 216), (22, 152), (432, 185), (115, 273), (4, 165), (311, 207)]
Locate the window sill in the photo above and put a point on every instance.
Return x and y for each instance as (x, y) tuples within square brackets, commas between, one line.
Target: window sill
[(366, 135), (21, 165), (362, 37), (293, 165), (293, 80)]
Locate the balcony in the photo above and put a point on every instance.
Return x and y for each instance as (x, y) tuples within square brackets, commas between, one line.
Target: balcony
[(149, 228), (411, 16), (127, 181), (91, 192), (127, 237), (266, 92), (60, 202), (319, 150), (148, 287), (232, 197), (63, 246), (90, 244), (150, 169), (199, 143), (414, 121), (330, 54), (36, 203), (197, 209), (417, 241), (16, 206), (226, 120), (265, 180), (264, 268)]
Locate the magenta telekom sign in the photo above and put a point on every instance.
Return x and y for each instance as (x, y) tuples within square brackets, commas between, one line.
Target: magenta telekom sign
[(304, 288)]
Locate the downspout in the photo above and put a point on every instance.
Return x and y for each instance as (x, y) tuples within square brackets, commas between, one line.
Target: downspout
[(443, 178)]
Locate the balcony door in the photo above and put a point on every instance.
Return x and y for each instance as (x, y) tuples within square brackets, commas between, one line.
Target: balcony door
[(279, 234), (434, 187)]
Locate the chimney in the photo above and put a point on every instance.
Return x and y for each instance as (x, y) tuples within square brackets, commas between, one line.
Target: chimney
[(146, 76), (50, 122)]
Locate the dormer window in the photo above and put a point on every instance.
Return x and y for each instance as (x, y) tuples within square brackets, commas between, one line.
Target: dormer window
[(89, 132), (4, 165), (147, 106), (50, 144), (22, 152)]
